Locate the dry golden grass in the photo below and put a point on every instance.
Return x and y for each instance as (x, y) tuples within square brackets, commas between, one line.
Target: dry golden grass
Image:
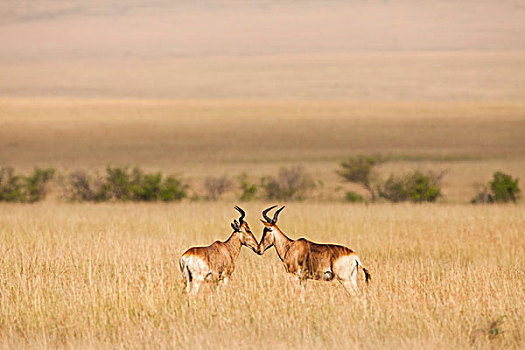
[(444, 276)]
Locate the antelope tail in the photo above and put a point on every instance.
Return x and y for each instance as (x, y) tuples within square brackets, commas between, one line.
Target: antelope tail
[(368, 277), (186, 273)]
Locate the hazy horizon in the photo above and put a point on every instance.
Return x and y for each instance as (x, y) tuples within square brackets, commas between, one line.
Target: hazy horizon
[(263, 50)]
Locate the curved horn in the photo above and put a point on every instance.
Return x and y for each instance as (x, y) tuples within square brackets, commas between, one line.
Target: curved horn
[(243, 214), (276, 215), (268, 220)]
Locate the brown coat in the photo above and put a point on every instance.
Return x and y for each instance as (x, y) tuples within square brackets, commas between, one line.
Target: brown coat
[(216, 262), (312, 260), (309, 260)]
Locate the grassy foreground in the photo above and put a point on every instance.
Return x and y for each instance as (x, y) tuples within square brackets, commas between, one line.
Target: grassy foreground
[(443, 276)]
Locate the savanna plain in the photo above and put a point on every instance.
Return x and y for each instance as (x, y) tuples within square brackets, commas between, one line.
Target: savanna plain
[(448, 274), (253, 88)]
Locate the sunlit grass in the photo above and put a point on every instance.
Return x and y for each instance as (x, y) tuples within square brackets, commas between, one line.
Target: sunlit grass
[(107, 275)]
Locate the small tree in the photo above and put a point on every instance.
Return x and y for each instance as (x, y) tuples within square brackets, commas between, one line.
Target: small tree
[(290, 184), (216, 186), (80, 187), (360, 169), (394, 189)]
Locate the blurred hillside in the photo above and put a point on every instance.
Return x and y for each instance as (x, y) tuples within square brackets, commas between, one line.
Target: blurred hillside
[(262, 49)]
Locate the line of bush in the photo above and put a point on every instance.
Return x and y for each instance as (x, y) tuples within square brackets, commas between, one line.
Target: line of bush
[(416, 186), (25, 189), (289, 184), (123, 184)]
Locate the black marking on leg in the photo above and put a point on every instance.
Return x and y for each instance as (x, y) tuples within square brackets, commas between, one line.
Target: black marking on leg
[(368, 277), (328, 276)]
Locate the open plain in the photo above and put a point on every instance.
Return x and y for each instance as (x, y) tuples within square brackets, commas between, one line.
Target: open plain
[(202, 89)]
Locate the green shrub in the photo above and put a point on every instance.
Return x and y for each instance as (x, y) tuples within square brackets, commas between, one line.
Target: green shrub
[(145, 187), (502, 189), (35, 184), (424, 187), (11, 186), (394, 189), (249, 190), (360, 169), (290, 184), (117, 184), (415, 187), (173, 189), (120, 184), (353, 197), (18, 188)]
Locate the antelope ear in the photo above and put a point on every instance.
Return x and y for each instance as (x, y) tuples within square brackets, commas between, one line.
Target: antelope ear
[(265, 223), (233, 226)]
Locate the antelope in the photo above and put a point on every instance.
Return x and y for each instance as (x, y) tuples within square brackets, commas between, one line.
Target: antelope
[(216, 262), (309, 260)]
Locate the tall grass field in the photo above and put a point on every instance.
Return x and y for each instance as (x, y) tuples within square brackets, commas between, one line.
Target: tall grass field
[(107, 275)]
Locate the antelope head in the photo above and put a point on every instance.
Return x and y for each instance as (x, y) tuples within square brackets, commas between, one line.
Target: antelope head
[(245, 234), (270, 225)]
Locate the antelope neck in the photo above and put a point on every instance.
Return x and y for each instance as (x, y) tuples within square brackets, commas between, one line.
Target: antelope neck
[(281, 242), (233, 244)]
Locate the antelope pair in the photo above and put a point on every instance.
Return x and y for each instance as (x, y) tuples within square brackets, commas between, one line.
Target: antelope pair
[(301, 258)]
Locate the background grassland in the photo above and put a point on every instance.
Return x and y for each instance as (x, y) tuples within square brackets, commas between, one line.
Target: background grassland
[(374, 50), (444, 276), (196, 139)]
